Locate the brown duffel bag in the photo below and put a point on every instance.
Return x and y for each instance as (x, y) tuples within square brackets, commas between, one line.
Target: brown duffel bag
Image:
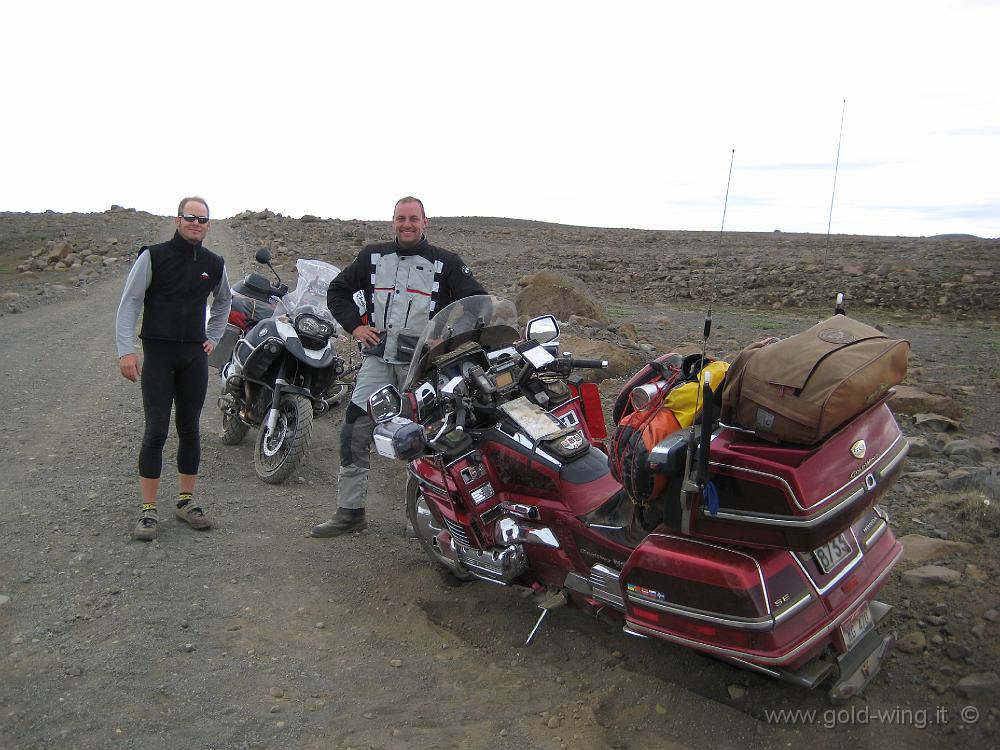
[(802, 388)]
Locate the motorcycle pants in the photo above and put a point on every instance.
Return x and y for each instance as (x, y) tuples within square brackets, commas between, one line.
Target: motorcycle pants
[(358, 428)]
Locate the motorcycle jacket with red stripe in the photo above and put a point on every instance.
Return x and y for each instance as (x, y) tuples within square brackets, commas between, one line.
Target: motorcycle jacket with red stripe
[(403, 288)]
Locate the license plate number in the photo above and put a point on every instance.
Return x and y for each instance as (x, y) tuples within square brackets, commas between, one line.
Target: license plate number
[(832, 553), (856, 626)]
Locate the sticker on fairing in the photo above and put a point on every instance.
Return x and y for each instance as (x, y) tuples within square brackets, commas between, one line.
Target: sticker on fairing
[(643, 591)]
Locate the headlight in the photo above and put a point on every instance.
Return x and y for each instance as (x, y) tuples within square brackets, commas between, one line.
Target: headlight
[(310, 325), (399, 438)]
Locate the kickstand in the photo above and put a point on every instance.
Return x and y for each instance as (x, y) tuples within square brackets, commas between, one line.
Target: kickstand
[(556, 600)]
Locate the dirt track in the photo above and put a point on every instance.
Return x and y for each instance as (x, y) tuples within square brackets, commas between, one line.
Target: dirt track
[(252, 635)]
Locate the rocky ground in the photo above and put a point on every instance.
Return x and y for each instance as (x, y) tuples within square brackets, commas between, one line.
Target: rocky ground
[(252, 635)]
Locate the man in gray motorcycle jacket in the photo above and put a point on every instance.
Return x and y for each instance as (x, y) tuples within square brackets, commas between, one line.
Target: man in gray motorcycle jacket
[(404, 282)]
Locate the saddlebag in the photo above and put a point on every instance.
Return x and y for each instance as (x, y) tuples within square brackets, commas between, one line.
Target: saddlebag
[(801, 389)]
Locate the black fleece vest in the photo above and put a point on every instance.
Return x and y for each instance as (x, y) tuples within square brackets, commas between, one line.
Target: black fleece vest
[(183, 275)]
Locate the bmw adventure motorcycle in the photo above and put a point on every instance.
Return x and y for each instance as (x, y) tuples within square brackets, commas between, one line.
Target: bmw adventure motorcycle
[(283, 367), (508, 483)]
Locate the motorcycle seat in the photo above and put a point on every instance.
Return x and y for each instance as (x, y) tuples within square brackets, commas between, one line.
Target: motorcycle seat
[(257, 287)]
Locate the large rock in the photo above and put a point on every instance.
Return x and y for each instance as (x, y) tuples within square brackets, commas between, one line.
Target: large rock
[(979, 685), (561, 296), (932, 574), (908, 399), (918, 549), (982, 479), (964, 451)]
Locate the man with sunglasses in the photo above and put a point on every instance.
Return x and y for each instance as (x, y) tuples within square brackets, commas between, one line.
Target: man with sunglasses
[(169, 284)]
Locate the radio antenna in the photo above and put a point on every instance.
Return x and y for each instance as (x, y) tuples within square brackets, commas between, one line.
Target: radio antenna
[(691, 484), (718, 251), (836, 169)]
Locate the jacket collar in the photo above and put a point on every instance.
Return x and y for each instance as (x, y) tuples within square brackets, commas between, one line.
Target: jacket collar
[(414, 250), (180, 243)]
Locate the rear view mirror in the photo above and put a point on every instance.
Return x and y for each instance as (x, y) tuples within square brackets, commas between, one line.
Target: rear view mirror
[(385, 404), (263, 256), (542, 329)]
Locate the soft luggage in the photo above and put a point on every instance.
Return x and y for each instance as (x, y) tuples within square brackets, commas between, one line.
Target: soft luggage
[(800, 389)]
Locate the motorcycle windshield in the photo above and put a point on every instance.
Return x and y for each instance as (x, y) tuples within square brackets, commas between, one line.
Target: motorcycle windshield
[(309, 294), (490, 321)]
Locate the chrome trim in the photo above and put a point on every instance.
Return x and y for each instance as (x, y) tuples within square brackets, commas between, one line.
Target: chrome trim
[(750, 665), (769, 519), (743, 623), (521, 510), (791, 494), (497, 564), (890, 467), (457, 532), (634, 633), (876, 534), (605, 583), (459, 458), (428, 483), (775, 660), (799, 603), (511, 532), (734, 428)]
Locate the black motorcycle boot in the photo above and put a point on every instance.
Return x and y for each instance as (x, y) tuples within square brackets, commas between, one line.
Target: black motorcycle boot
[(344, 521)]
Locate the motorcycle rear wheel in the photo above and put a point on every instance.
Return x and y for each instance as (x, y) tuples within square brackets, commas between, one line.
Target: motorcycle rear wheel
[(426, 529), (278, 454)]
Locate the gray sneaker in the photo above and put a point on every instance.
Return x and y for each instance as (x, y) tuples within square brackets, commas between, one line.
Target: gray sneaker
[(193, 516), (147, 528)]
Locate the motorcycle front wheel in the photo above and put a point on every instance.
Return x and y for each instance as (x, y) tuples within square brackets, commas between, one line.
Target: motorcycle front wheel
[(279, 452), (426, 528), (233, 429)]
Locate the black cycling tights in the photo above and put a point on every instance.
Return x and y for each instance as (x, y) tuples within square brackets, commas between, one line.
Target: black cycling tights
[(172, 372)]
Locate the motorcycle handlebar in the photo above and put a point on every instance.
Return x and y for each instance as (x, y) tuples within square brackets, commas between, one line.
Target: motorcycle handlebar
[(583, 364)]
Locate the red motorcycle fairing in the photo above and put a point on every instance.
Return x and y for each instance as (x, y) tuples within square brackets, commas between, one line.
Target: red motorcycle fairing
[(787, 497), (771, 608)]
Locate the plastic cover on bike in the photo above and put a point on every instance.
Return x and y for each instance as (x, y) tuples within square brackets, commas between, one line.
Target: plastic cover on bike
[(314, 277)]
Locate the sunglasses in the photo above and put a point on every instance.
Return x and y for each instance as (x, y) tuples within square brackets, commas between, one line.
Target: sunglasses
[(191, 218)]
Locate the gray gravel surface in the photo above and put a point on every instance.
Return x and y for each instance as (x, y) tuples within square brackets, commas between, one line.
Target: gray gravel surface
[(254, 636)]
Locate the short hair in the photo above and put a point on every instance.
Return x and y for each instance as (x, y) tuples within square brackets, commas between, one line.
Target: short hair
[(196, 198), (410, 199)]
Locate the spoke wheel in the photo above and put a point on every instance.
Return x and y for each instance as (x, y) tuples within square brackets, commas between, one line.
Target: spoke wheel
[(279, 452)]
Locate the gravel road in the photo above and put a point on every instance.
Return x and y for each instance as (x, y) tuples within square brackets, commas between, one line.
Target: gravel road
[(254, 636)]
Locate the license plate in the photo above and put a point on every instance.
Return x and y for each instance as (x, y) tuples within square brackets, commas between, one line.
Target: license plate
[(832, 553), (857, 625)]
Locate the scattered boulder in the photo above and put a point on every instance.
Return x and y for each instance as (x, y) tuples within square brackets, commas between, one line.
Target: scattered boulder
[(913, 642), (931, 574), (910, 400), (979, 685), (964, 451), (560, 295), (918, 549), (935, 422)]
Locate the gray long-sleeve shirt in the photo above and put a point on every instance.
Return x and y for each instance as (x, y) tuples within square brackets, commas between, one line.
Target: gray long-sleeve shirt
[(134, 295)]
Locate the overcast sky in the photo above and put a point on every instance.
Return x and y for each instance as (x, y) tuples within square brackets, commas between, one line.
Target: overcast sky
[(614, 114)]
